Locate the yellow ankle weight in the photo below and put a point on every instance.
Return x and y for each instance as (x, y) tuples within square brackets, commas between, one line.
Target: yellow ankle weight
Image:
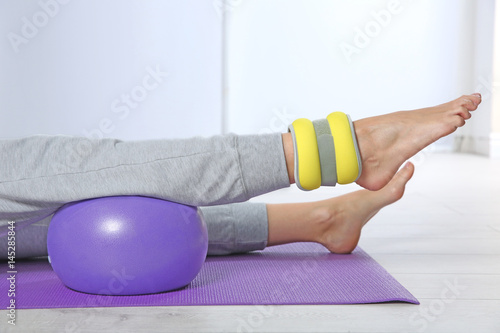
[(346, 150), (307, 164), (328, 156)]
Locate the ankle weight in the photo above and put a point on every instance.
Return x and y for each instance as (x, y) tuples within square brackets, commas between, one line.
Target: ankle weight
[(326, 151)]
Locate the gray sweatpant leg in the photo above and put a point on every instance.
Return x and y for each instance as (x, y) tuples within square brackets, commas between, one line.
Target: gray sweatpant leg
[(239, 227), (232, 228), (41, 173)]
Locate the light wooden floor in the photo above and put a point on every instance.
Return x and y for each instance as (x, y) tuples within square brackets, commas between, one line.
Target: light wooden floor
[(441, 241)]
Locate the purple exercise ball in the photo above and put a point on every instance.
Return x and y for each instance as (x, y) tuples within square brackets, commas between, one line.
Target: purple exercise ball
[(127, 245)]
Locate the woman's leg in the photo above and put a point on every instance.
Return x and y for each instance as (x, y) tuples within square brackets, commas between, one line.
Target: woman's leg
[(41, 173), (335, 223), (235, 228), (387, 141)]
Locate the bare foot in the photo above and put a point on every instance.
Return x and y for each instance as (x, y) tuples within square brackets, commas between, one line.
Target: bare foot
[(339, 220), (386, 141)]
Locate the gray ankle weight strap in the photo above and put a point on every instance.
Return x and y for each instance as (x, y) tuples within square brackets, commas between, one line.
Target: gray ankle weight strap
[(326, 150)]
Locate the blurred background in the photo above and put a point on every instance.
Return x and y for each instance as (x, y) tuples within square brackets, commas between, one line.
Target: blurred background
[(141, 69)]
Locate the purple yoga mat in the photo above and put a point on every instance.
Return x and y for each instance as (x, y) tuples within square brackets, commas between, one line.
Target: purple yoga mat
[(300, 273)]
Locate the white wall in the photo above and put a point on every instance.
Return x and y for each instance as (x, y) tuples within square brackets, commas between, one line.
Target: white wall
[(285, 58), (72, 74), (475, 137), (495, 89)]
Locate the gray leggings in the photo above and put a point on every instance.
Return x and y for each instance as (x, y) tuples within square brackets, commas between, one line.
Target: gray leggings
[(39, 174)]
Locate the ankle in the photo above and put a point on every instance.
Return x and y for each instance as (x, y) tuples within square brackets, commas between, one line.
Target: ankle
[(333, 226), (322, 217)]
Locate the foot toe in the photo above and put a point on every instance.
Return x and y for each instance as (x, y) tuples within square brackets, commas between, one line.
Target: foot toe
[(467, 103), (396, 187), (475, 99), (459, 120)]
